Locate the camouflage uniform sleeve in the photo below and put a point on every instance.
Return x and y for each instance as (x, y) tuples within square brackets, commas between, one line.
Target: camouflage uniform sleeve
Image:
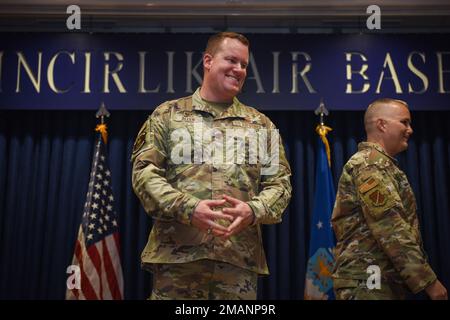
[(384, 212), (275, 188), (149, 159)]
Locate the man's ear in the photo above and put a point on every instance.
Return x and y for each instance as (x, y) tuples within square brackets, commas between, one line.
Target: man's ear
[(207, 61), (381, 125)]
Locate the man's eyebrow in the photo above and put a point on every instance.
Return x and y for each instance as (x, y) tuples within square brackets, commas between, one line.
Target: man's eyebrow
[(246, 62), (232, 56)]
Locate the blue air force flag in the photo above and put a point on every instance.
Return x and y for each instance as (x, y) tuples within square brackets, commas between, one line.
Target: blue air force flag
[(319, 284)]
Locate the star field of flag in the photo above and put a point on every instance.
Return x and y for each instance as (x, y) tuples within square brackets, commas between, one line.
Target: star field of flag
[(99, 218)]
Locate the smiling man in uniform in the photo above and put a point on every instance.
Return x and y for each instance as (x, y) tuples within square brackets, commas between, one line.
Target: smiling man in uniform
[(206, 240)]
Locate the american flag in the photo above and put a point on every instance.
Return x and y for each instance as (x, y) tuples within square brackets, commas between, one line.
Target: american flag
[(97, 249)]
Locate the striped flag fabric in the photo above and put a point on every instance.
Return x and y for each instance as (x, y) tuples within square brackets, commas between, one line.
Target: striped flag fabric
[(97, 248)]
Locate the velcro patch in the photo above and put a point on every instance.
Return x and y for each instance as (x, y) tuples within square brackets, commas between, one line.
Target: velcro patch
[(369, 184), (376, 192), (377, 198), (378, 201), (140, 140)]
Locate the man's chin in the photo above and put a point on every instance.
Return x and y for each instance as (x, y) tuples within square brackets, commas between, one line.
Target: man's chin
[(404, 146), (233, 91)]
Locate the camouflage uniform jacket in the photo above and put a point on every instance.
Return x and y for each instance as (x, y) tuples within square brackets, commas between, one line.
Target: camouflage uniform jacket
[(375, 223), (169, 190)]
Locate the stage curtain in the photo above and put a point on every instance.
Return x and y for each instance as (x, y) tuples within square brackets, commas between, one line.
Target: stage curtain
[(45, 159)]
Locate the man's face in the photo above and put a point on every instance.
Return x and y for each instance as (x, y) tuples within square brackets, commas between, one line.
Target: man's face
[(227, 69), (398, 129)]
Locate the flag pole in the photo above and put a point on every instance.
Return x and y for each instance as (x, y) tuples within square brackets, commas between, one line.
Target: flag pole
[(102, 112), (321, 111), (102, 128), (321, 129)]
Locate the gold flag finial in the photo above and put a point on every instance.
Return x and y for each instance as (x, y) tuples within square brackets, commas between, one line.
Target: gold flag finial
[(322, 130), (102, 128)]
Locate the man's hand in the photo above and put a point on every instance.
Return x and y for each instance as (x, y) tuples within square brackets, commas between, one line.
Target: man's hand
[(436, 291), (242, 213), (204, 217)]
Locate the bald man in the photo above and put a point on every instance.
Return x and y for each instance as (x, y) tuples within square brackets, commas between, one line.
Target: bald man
[(379, 253)]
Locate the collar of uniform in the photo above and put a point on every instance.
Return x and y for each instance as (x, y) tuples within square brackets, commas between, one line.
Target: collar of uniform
[(376, 146), (234, 111), (199, 104)]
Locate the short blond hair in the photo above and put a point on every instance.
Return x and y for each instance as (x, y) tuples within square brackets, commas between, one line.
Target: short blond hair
[(371, 109), (215, 41)]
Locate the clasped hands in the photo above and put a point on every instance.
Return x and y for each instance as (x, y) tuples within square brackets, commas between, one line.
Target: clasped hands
[(239, 214)]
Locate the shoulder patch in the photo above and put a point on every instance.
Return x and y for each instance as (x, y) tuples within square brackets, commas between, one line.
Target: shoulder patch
[(140, 140), (377, 198), (368, 185), (375, 190)]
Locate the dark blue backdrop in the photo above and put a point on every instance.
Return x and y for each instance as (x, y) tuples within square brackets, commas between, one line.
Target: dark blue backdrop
[(45, 159)]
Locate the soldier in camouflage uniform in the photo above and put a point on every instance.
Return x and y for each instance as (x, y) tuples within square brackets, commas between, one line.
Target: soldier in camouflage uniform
[(375, 218), (206, 238)]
